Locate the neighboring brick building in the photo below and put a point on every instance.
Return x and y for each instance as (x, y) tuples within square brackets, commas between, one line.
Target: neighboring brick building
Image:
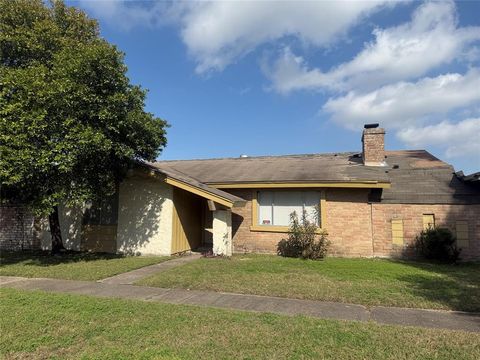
[(17, 230), (372, 203)]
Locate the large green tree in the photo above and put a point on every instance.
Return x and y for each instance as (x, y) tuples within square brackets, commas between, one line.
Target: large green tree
[(71, 122)]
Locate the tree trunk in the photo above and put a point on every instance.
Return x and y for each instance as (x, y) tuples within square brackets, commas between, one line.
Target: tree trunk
[(54, 221)]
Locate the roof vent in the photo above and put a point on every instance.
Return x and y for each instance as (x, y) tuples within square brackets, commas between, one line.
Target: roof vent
[(370, 126), (244, 156)]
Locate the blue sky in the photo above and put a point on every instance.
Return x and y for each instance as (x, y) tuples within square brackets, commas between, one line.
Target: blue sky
[(271, 78)]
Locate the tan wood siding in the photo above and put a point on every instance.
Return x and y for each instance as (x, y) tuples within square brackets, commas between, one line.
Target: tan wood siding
[(187, 221)]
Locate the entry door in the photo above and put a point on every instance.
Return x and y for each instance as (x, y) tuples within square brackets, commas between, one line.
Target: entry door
[(187, 221)]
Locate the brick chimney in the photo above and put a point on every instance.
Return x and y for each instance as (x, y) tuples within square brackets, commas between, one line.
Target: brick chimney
[(373, 145)]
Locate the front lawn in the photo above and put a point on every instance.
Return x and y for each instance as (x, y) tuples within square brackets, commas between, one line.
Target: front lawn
[(360, 281), (38, 325), (71, 266)]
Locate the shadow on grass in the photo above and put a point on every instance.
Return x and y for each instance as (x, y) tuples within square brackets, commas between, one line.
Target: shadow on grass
[(45, 258), (455, 286)]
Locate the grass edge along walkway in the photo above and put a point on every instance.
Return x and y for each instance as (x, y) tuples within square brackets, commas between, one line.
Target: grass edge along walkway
[(44, 325), (399, 316), (370, 282), (72, 265)]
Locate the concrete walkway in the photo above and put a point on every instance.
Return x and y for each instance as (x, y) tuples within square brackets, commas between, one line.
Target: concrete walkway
[(326, 310), (133, 276)]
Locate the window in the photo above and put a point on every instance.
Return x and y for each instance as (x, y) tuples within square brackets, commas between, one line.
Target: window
[(428, 221), (275, 207), (461, 230), (397, 232)]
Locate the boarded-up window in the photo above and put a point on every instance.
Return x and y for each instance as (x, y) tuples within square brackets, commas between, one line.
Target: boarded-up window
[(397, 232), (461, 229), (428, 221)]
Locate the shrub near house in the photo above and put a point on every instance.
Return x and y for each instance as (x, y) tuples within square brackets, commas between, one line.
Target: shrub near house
[(437, 244), (304, 240)]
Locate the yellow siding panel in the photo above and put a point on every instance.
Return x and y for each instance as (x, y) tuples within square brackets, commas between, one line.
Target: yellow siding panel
[(397, 226), (428, 221), (462, 226), (397, 232), (187, 221), (461, 229), (462, 244)]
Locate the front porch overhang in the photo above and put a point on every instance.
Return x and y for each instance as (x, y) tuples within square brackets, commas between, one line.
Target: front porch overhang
[(187, 183), (226, 201)]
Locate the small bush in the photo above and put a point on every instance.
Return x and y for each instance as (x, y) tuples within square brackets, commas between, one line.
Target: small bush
[(303, 240), (437, 244)]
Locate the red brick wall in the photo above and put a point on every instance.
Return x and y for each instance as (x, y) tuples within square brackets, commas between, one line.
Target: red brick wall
[(348, 222), (245, 240), (359, 229), (17, 231), (412, 216)]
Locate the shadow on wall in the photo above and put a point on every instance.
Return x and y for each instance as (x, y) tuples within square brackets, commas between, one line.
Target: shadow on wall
[(71, 220), (461, 220), (140, 208), (71, 228), (237, 220)]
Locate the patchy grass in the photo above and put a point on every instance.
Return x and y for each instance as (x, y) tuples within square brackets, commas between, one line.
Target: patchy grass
[(38, 325), (360, 281), (71, 265)]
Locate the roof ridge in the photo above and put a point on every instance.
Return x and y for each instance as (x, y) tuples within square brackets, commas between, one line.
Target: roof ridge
[(265, 156)]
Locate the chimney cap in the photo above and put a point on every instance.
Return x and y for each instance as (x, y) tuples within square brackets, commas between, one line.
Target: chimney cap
[(370, 126)]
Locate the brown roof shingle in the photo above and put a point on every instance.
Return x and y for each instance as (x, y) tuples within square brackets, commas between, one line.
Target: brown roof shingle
[(416, 176), (342, 167)]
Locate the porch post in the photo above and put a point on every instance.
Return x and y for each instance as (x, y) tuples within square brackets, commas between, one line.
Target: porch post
[(222, 232)]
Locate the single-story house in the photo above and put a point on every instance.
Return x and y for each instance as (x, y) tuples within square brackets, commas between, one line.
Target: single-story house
[(371, 203)]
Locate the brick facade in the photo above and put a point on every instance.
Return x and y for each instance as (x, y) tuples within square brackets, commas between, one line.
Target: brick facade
[(445, 216), (17, 230), (358, 228)]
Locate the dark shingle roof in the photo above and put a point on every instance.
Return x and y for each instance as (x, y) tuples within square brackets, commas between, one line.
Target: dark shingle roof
[(416, 176), (419, 177), (342, 167), (472, 178)]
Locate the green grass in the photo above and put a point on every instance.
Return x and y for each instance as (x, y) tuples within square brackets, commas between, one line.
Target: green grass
[(37, 325), (360, 281), (71, 266)]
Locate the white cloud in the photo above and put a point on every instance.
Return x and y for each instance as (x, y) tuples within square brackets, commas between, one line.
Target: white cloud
[(458, 139), (430, 39), (219, 33), (406, 103), (382, 83)]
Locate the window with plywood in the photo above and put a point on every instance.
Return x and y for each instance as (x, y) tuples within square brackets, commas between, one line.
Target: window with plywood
[(397, 231)]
